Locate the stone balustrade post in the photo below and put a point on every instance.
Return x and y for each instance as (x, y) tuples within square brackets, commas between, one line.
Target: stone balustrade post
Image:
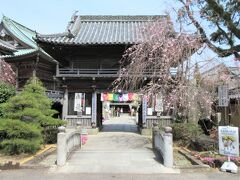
[(168, 147), (78, 127), (75, 141), (155, 130), (61, 146)]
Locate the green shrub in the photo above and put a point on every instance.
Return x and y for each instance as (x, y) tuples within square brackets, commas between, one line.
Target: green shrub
[(19, 137), (50, 134), (185, 132), (18, 129), (18, 146)]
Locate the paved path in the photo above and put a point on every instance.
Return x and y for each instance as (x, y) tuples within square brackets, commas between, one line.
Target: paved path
[(117, 149), (43, 174)]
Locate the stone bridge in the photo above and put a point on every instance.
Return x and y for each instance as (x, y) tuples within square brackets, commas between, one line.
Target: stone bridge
[(118, 148)]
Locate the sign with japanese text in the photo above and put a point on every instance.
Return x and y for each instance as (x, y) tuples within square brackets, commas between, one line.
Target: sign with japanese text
[(228, 140), (159, 103), (78, 102), (144, 109), (223, 96)]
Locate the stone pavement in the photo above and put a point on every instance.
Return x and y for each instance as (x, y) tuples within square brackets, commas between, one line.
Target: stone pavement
[(114, 155), (118, 149), (44, 174)]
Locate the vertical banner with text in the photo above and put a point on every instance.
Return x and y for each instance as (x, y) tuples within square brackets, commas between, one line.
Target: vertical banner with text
[(223, 96), (78, 102)]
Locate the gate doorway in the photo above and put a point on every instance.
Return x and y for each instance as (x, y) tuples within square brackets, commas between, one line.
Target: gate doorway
[(120, 116)]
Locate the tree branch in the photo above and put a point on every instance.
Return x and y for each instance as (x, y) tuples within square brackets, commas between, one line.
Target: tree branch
[(226, 16), (221, 52)]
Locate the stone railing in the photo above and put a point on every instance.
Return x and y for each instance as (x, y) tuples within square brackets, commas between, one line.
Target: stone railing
[(163, 144), (66, 143)]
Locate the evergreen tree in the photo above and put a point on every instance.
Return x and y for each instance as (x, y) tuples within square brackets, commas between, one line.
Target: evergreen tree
[(6, 91), (30, 109), (31, 105), (224, 17)]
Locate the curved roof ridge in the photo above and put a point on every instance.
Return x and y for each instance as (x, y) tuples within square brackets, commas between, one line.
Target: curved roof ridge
[(25, 36), (6, 22), (121, 17), (38, 35), (5, 17)]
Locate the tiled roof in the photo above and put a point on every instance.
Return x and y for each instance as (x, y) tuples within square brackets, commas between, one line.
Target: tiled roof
[(20, 32), (24, 36), (22, 53), (19, 53), (84, 30), (6, 46)]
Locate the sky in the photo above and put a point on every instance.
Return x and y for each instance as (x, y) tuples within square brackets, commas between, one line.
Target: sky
[(52, 16)]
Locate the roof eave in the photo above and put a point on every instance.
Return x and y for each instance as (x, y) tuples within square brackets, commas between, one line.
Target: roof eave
[(83, 44), (13, 58), (47, 57), (14, 36)]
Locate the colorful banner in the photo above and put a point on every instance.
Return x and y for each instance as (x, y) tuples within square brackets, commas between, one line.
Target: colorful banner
[(110, 96), (125, 97), (116, 97)]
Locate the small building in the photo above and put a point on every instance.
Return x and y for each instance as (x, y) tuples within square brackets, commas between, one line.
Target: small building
[(20, 50), (230, 76)]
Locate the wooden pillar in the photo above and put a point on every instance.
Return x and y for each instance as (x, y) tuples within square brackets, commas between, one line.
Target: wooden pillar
[(144, 110), (65, 104), (57, 69), (94, 108)]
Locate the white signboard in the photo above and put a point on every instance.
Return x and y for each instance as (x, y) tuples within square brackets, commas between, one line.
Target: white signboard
[(149, 111), (159, 103), (228, 140), (88, 110), (223, 96), (78, 102)]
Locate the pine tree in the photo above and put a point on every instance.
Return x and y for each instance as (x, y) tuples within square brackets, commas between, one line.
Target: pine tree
[(30, 109), (223, 16)]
